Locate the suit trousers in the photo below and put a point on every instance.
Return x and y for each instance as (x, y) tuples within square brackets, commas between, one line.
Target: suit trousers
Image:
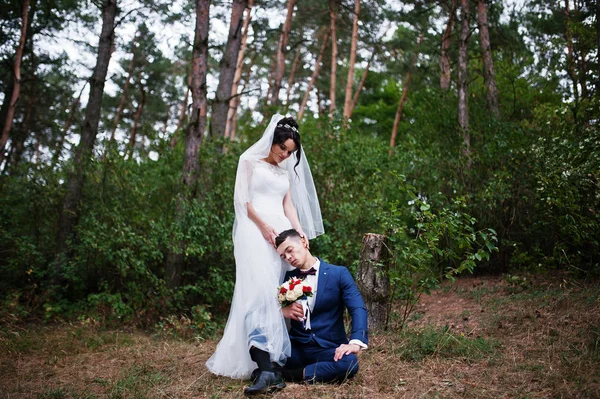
[(318, 362)]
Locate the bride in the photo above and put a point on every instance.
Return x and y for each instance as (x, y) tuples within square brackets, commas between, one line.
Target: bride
[(274, 191)]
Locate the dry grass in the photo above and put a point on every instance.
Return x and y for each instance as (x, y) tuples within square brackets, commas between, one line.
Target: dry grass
[(479, 338)]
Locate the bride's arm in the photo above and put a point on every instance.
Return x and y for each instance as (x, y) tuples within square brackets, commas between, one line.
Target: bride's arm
[(290, 212), (268, 232)]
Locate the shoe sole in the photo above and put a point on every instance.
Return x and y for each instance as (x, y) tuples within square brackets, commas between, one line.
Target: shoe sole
[(271, 389)]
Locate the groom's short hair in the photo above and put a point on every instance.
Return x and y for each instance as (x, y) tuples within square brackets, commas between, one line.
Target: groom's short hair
[(284, 235)]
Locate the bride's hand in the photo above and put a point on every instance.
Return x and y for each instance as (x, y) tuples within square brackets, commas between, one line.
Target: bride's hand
[(301, 233), (269, 233)]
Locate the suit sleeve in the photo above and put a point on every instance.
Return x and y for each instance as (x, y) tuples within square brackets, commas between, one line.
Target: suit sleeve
[(356, 307)]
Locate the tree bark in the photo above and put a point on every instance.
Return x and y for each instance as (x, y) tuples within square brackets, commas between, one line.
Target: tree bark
[(445, 59), (332, 85), (271, 78), (488, 61), (228, 67), (314, 75), (234, 102), (361, 84), (124, 92), (194, 135), (570, 53), (61, 139), (16, 81), (463, 95), (282, 51), (292, 76), (136, 117), (8, 90), (21, 134), (197, 125), (350, 80), (29, 117), (233, 121), (405, 87), (182, 112), (89, 131), (320, 105), (598, 46), (373, 279)]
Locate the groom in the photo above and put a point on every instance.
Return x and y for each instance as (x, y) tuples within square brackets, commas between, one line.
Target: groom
[(321, 351)]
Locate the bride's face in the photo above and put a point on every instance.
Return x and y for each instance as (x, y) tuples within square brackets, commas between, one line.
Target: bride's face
[(281, 152)]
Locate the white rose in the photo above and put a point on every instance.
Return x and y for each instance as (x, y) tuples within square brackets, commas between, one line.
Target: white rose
[(298, 291), (291, 295), (281, 298)]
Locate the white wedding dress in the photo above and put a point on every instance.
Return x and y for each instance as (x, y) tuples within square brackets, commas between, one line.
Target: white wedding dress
[(255, 317)]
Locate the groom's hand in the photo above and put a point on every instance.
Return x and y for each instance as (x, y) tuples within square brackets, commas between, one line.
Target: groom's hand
[(293, 311), (345, 349)]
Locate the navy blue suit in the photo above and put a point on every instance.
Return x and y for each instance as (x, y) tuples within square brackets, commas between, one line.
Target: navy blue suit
[(314, 349)]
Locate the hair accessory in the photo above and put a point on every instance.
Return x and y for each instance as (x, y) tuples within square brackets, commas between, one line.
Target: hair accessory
[(288, 127)]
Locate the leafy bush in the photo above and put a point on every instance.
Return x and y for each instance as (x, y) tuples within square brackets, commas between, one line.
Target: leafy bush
[(432, 238)]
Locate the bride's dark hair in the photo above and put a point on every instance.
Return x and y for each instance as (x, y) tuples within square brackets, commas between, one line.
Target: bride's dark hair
[(287, 128)]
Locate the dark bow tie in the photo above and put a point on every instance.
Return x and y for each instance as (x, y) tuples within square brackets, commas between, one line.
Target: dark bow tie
[(310, 272)]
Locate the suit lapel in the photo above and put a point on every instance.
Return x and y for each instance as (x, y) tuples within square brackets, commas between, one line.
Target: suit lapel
[(322, 283)]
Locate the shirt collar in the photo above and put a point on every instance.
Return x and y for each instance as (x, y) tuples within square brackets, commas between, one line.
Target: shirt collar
[(317, 264)]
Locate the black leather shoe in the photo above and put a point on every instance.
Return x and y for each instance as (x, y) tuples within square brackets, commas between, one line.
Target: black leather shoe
[(267, 382), (254, 376)]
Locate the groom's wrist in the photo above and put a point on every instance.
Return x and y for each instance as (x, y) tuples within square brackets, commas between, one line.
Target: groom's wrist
[(361, 345)]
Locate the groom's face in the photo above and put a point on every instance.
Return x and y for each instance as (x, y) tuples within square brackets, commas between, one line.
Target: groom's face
[(294, 251)]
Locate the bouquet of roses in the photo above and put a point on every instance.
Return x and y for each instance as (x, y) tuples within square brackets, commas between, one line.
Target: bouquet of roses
[(292, 290)]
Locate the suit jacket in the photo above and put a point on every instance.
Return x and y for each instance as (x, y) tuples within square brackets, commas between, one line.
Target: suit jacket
[(336, 291)]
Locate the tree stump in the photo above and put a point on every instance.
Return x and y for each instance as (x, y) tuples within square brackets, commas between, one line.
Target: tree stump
[(373, 279)]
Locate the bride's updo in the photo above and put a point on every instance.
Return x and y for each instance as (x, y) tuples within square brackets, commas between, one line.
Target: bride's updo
[(287, 128)]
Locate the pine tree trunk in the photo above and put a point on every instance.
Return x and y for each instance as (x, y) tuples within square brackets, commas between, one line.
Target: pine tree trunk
[(70, 209), (72, 110), (404, 96), (167, 119), (234, 102), (292, 76), (373, 279), (182, 112), (59, 145), (463, 95), (21, 134), (136, 118), (271, 78), (16, 81), (228, 65), (570, 53), (332, 85), (314, 75), (320, 105), (350, 80), (124, 92), (282, 51), (445, 74), (488, 61), (8, 89), (194, 135), (583, 75), (197, 125), (29, 117), (361, 84), (598, 46), (234, 115)]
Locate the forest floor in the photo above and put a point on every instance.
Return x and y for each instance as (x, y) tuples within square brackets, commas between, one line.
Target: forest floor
[(481, 337)]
